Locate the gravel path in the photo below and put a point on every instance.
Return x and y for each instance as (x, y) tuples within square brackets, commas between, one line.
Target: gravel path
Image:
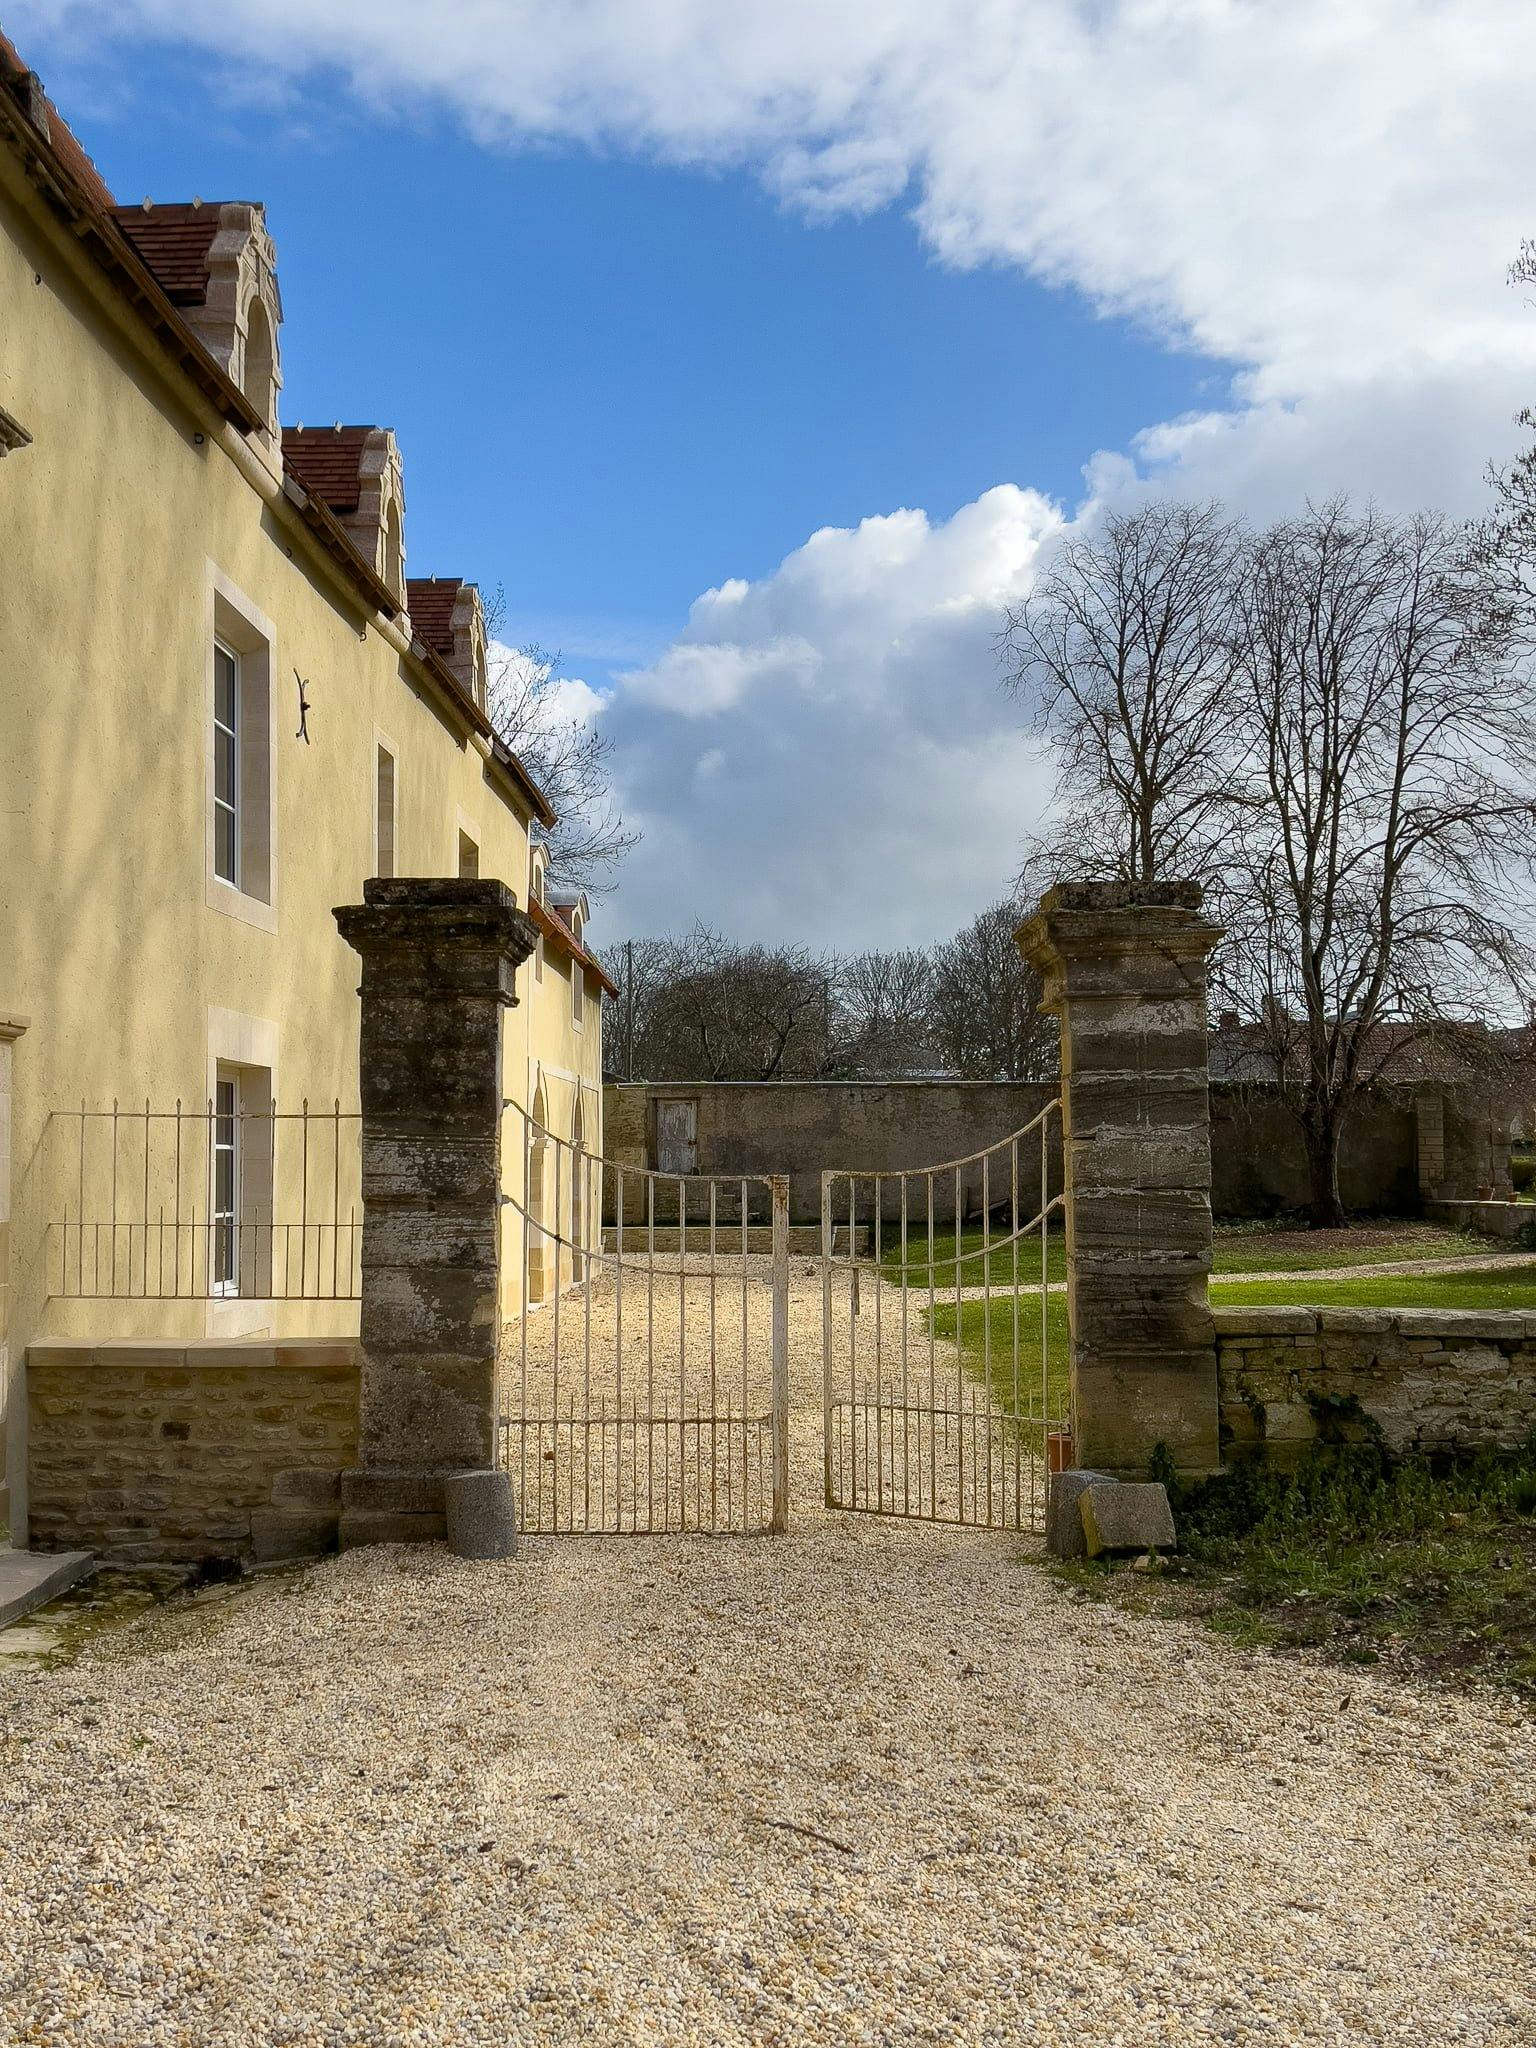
[(866, 1783)]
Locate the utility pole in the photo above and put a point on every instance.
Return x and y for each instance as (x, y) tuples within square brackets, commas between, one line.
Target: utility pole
[(629, 1007)]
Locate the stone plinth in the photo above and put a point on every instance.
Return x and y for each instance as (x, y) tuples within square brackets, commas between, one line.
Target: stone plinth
[(439, 961), (1124, 966)]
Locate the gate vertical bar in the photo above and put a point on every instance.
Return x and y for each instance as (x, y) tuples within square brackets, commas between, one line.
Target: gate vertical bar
[(778, 1192), (826, 1341)]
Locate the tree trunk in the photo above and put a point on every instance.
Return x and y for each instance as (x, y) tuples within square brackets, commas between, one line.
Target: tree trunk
[(1325, 1204)]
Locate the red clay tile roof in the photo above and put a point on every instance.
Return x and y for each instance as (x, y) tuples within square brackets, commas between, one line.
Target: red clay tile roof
[(430, 602), (173, 242), (326, 461), (553, 926), (65, 147)]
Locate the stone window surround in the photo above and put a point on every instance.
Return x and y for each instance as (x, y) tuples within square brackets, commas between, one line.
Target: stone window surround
[(465, 827), (231, 617), (383, 744), (250, 1044), (538, 862)]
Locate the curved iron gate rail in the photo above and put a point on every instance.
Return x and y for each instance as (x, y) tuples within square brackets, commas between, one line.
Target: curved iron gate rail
[(644, 1387), (944, 1399)]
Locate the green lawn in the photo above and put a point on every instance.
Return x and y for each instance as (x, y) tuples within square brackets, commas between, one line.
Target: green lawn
[(1012, 1337), (1014, 1326), (1239, 1248), (1513, 1287)]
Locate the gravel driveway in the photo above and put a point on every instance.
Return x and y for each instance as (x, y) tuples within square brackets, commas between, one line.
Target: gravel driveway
[(866, 1783)]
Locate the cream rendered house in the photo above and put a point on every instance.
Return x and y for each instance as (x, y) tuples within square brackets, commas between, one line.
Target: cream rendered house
[(223, 705)]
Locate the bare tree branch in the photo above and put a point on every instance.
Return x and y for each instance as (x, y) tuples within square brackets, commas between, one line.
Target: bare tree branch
[(568, 758), (1124, 651)]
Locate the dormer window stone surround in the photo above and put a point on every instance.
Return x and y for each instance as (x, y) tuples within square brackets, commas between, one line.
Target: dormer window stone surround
[(358, 474), (468, 659), (378, 524), (447, 617), (240, 316), (217, 264)]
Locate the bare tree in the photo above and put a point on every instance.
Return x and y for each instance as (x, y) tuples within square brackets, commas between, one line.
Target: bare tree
[(706, 1008), (1124, 651), (986, 1019), (1509, 537), (1381, 826), (882, 1014), (567, 756)]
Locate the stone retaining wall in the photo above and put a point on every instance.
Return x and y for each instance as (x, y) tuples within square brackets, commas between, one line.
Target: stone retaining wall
[(145, 1452), (1430, 1377)]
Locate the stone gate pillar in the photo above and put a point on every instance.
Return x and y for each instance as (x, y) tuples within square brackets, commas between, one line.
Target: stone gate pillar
[(439, 959), (1124, 966)]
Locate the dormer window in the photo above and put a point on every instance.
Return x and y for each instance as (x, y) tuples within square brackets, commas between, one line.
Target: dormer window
[(217, 263), (357, 473), (446, 616)]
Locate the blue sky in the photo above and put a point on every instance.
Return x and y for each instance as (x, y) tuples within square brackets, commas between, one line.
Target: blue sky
[(761, 349), (616, 383)]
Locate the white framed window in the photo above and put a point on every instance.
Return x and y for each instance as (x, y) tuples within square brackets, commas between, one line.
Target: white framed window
[(224, 1172), (226, 764), (385, 809), (242, 1137), (240, 808)]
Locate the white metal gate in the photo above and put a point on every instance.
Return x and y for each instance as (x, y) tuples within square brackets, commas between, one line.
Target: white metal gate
[(943, 1341), (644, 1387)]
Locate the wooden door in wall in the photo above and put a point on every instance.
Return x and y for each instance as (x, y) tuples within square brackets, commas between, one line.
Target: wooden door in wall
[(677, 1135)]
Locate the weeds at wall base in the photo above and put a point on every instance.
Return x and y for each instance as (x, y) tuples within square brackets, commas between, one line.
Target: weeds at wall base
[(1426, 1565)]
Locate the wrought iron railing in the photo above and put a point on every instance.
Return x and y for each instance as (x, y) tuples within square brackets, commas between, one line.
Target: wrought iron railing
[(644, 1386), (221, 1201), (946, 1392)]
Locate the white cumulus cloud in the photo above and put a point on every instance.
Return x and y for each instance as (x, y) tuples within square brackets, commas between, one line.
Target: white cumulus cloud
[(868, 786)]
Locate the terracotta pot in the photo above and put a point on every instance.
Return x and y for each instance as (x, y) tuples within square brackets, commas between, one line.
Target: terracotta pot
[(1058, 1450)]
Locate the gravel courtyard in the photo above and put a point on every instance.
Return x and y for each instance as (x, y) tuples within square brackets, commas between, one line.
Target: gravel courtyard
[(866, 1783)]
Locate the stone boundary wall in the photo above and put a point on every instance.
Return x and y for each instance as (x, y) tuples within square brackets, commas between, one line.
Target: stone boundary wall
[(1431, 1378), (803, 1128), (1258, 1166), (161, 1452)]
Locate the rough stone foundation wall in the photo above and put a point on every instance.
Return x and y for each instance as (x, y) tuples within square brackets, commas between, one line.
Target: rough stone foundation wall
[(1430, 1378), (161, 1452)]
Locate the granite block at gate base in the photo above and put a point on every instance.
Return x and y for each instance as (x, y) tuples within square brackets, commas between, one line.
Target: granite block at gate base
[(1134, 1516), (1063, 1521), (481, 1514)]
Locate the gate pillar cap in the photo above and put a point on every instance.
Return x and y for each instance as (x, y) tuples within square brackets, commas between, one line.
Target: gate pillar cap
[(415, 923), (1083, 920)]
